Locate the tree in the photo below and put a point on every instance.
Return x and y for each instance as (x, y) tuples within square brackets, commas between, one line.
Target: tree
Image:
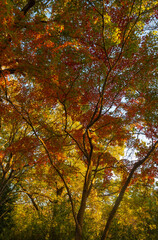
[(141, 221), (17, 147), (85, 88), (7, 200)]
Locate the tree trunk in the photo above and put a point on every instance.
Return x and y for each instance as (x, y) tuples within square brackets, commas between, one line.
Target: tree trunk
[(78, 234), (80, 215), (122, 192), (85, 194)]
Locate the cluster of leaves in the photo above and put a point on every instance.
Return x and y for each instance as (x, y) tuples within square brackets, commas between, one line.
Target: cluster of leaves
[(78, 87)]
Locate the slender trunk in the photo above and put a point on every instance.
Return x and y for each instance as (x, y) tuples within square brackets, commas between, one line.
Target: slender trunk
[(80, 215), (122, 192), (85, 194), (78, 234), (116, 205)]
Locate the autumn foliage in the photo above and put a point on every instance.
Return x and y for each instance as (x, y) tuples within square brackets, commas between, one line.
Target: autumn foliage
[(78, 99)]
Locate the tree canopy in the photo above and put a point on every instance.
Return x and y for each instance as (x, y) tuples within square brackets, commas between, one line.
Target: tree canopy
[(78, 110)]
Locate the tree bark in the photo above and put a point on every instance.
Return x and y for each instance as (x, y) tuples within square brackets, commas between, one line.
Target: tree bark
[(85, 194), (80, 215)]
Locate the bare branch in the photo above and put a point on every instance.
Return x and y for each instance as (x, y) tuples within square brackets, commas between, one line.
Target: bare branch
[(28, 6)]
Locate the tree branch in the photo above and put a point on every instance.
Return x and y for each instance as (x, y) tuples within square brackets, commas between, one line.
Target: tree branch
[(122, 192), (28, 6)]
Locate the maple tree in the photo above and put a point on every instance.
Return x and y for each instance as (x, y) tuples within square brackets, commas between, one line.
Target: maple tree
[(80, 77)]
